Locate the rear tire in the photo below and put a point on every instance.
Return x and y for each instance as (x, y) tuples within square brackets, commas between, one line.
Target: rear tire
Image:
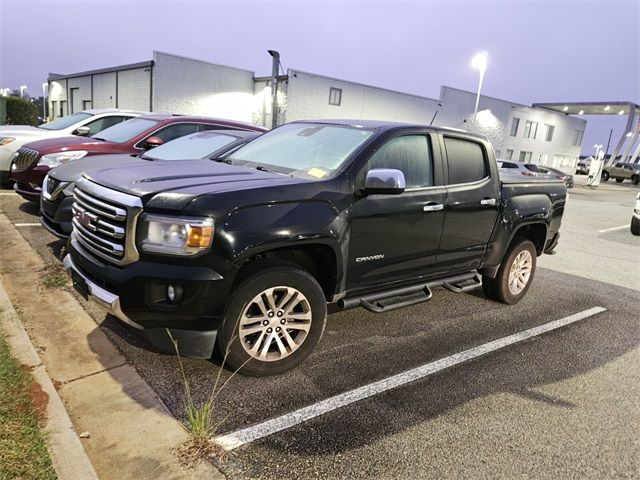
[(635, 179), (515, 274), (635, 226), (605, 176), (281, 313)]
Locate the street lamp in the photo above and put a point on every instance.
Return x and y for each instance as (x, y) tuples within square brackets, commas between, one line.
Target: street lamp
[(44, 100), (479, 62), (22, 89)]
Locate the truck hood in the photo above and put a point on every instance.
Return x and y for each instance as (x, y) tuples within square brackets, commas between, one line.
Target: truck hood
[(172, 185), (72, 171)]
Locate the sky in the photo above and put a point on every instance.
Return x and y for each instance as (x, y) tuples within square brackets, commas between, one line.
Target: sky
[(539, 51)]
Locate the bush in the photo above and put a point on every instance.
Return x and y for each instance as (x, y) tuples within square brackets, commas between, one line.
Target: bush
[(21, 112), (3, 111)]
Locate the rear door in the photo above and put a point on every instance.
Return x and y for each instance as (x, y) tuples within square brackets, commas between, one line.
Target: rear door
[(396, 237), (473, 202)]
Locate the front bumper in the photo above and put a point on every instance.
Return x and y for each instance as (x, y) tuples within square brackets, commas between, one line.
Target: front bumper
[(29, 181), (192, 343), (56, 216), (141, 289)]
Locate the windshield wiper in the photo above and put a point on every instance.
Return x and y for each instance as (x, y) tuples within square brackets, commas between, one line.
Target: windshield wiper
[(262, 169), (223, 160), (98, 138)]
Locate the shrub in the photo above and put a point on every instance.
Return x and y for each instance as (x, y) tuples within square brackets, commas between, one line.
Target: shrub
[(21, 112)]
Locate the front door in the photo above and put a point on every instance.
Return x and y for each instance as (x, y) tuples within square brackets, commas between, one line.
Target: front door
[(396, 237)]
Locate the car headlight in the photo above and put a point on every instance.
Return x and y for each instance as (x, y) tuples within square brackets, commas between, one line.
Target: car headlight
[(6, 140), (53, 160), (176, 236)]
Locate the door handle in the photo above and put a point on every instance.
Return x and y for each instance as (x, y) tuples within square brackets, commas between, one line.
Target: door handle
[(488, 202), (432, 207)]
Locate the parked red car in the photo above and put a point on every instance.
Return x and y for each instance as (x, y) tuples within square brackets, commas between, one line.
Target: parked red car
[(31, 162)]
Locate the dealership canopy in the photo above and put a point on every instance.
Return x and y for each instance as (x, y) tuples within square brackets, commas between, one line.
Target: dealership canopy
[(631, 131)]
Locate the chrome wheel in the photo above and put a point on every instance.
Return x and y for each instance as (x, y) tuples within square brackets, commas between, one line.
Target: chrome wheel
[(275, 323), (520, 272)]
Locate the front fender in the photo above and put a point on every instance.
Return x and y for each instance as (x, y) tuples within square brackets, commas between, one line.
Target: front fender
[(255, 229)]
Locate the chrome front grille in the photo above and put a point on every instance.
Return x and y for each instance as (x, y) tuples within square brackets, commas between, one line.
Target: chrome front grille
[(24, 158), (104, 222)]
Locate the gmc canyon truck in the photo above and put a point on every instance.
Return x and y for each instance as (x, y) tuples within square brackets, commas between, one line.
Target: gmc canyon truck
[(249, 250)]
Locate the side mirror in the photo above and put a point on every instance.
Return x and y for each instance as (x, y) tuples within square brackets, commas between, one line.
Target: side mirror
[(83, 131), (152, 142), (386, 181)]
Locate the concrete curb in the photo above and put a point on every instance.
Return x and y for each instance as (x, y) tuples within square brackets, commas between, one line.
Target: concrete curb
[(68, 456)]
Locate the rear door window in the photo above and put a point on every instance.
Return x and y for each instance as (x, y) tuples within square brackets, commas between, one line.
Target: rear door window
[(467, 161)]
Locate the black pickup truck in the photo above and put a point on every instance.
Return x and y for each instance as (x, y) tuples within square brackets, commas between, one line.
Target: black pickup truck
[(249, 250)]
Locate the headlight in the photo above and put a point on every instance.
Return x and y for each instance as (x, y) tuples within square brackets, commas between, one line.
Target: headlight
[(56, 159), (6, 140), (176, 236)]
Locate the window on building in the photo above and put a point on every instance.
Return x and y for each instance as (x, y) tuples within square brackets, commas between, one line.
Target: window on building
[(54, 109), (498, 153), (525, 157), (466, 159), (86, 104), (335, 96), (509, 155), (577, 137), (530, 129), (411, 154), (549, 133), (63, 108), (515, 122)]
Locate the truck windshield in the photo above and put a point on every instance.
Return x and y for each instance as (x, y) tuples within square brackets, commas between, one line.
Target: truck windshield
[(305, 150), (65, 122), (125, 131), (191, 147)]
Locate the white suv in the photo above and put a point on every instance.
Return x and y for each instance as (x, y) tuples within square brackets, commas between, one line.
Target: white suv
[(12, 137)]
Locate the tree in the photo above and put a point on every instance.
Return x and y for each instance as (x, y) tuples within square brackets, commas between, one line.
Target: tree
[(21, 111)]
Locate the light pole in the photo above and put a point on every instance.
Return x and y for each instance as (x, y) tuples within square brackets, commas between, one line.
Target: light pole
[(479, 62), (22, 89), (44, 100)]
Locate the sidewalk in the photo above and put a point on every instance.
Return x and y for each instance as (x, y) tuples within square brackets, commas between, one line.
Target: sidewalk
[(131, 433)]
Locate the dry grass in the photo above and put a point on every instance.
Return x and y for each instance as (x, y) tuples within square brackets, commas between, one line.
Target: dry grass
[(54, 276)]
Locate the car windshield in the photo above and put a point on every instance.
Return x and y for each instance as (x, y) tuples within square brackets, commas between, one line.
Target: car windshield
[(125, 131), (502, 164), (65, 122), (196, 145), (532, 167), (304, 150)]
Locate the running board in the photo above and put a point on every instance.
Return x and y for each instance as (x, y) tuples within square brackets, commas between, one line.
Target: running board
[(406, 296), (464, 285)]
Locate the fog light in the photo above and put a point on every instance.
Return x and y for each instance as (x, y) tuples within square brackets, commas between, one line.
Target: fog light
[(174, 293)]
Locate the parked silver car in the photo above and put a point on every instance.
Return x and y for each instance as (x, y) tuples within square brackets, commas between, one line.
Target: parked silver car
[(622, 171)]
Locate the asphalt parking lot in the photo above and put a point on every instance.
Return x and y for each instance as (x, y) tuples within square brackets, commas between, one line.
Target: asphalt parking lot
[(563, 404)]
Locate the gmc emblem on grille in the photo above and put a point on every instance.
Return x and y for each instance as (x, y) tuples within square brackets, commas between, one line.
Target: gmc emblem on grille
[(86, 219)]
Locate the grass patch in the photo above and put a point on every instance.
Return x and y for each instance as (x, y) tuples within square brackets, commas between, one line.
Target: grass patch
[(23, 452), (54, 276)]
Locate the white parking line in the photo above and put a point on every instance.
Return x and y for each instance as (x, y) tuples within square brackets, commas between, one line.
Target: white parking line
[(8, 193), (27, 224), (238, 438), (613, 228)]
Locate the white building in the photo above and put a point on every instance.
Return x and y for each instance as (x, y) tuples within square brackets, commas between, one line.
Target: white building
[(171, 83)]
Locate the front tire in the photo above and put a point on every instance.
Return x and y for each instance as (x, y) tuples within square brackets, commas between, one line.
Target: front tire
[(635, 179), (605, 176), (515, 274), (273, 321), (635, 226)]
